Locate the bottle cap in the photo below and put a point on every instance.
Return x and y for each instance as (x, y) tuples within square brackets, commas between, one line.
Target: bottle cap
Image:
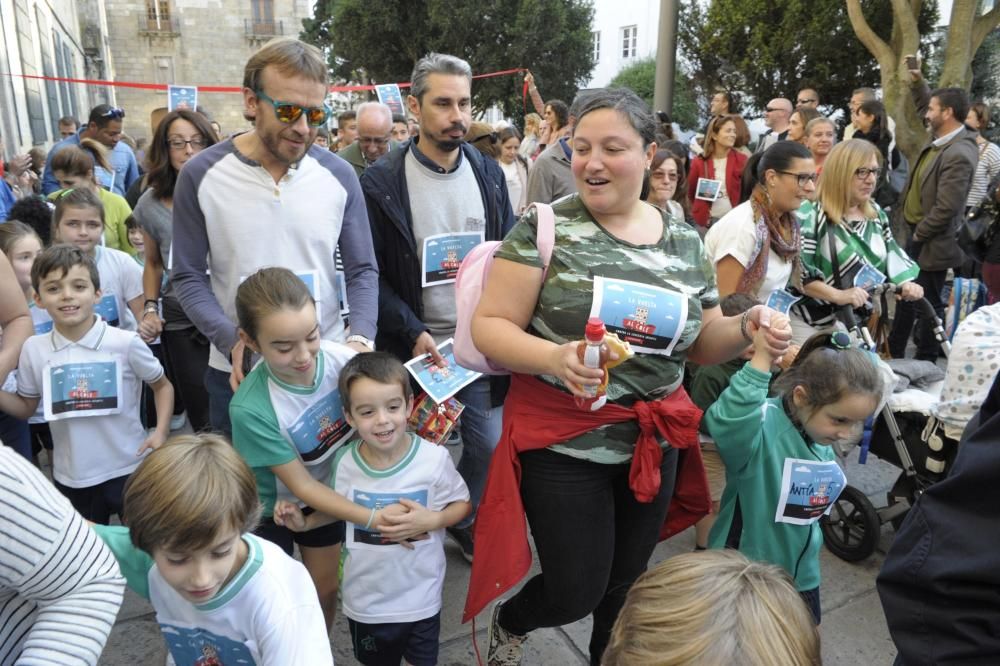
[(595, 330)]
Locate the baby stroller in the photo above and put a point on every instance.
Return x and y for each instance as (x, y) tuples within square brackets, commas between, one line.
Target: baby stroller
[(904, 434)]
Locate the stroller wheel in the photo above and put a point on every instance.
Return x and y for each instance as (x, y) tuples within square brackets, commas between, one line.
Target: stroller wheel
[(852, 529)]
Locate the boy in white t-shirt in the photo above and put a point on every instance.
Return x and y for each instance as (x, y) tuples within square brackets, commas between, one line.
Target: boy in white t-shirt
[(391, 592), (88, 376), (221, 595)]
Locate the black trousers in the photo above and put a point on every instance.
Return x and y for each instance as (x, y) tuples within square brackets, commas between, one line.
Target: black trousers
[(186, 354), (911, 318), (593, 540)]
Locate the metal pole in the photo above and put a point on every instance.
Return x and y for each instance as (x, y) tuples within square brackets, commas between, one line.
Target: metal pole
[(666, 56)]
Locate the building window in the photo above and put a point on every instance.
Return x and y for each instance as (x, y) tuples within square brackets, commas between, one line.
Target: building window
[(596, 35), (263, 17), (158, 15), (629, 34)]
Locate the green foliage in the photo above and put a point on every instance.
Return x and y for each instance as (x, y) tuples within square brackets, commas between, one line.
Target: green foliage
[(640, 77), (771, 48), (381, 41)]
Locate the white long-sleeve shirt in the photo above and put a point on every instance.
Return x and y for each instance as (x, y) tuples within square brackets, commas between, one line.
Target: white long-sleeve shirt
[(60, 587)]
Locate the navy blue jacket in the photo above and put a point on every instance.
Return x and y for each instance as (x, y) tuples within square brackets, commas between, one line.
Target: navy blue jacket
[(400, 300)]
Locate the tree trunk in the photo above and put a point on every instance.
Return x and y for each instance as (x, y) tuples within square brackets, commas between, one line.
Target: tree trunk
[(966, 32)]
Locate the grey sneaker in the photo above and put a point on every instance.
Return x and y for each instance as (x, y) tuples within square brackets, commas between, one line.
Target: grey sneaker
[(505, 648)]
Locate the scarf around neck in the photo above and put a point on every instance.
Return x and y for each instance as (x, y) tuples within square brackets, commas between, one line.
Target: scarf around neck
[(768, 230)]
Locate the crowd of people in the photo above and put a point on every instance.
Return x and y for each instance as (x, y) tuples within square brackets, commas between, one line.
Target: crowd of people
[(243, 284)]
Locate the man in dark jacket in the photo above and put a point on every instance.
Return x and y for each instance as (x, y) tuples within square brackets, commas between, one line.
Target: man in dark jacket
[(429, 203), (933, 204), (939, 584)]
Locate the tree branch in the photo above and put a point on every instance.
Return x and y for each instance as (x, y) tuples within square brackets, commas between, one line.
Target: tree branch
[(866, 35), (905, 16), (983, 26)]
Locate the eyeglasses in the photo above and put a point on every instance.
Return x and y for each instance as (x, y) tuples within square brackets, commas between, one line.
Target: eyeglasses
[(862, 173), (375, 141), (670, 175), (178, 143), (289, 113), (114, 113), (768, 109), (802, 178)]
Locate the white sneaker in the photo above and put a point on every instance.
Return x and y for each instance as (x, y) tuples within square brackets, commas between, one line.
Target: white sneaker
[(177, 421), (505, 648)]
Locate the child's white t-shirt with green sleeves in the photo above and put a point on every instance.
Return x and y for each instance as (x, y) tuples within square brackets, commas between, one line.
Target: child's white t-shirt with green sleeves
[(275, 423), (384, 581), (267, 615)]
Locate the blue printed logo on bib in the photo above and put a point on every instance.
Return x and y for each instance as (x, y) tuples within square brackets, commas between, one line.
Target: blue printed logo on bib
[(107, 307), (203, 648), (650, 318), (320, 428)]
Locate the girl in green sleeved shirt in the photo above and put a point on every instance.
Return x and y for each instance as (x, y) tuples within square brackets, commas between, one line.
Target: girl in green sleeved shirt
[(781, 476)]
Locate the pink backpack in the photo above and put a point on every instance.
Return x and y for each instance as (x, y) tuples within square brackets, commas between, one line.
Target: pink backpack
[(471, 281)]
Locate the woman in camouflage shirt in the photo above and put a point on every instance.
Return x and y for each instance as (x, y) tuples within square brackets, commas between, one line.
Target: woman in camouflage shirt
[(647, 276)]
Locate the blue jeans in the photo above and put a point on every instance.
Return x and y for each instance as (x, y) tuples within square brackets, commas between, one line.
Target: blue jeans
[(480, 427), (219, 395)]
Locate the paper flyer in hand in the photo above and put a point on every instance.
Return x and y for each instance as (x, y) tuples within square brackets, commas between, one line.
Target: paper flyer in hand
[(868, 277), (441, 383)]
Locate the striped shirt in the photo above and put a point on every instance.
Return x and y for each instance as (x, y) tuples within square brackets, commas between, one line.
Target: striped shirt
[(986, 170), (60, 587)]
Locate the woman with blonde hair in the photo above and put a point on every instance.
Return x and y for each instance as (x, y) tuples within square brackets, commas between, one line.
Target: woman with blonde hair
[(821, 135), (845, 216), (530, 143), (714, 607)]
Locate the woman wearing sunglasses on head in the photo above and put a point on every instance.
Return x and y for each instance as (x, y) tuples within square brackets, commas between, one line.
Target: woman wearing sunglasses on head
[(845, 235), (755, 246)]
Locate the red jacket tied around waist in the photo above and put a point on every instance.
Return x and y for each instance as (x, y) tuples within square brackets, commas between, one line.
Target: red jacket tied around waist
[(537, 415)]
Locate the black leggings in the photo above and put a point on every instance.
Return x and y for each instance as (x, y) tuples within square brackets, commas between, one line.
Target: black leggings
[(186, 353), (593, 540)]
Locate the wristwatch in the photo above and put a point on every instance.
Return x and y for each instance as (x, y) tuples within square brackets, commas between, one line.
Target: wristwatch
[(362, 340)]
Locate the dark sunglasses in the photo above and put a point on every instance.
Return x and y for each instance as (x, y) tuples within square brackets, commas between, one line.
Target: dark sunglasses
[(114, 113), (289, 113), (492, 136)]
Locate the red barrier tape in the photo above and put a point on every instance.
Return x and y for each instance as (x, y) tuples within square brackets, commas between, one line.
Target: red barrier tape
[(225, 89)]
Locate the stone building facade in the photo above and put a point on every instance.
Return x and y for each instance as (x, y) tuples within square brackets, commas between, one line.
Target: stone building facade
[(192, 42), (49, 38)]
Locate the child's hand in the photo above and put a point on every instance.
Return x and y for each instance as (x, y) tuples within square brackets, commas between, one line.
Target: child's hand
[(154, 441), (414, 524), (289, 515), (775, 328)]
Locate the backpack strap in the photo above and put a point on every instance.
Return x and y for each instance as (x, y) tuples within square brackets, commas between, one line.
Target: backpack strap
[(546, 238)]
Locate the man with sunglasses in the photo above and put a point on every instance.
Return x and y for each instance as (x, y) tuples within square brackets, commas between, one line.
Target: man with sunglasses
[(433, 194), (374, 125), (269, 197), (105, 125), (808, 98), (777, 113)]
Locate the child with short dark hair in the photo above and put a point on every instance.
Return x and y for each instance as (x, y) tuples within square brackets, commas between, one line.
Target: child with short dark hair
[(781, 472), (391, 594), (87, 375), (135, 239), (218, 591)]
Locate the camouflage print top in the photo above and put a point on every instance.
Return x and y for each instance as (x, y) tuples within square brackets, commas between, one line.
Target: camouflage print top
[(583, 251)]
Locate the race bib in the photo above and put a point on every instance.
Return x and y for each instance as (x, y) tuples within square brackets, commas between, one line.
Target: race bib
[(651, 319), (320, 429), (357, 535), (782, 301), (82, 389), (808, 490), (708, 189), (443, 254), (342, 293), (868, 276), (107, 307)]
